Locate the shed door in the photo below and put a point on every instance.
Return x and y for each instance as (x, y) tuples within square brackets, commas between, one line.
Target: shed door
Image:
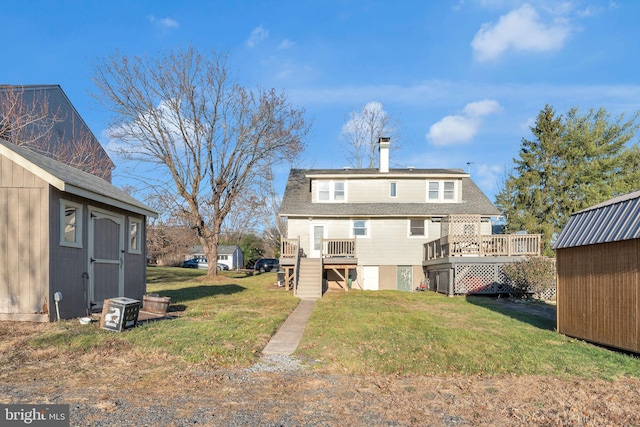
[(370, 277), (106, 256), (405, 278)]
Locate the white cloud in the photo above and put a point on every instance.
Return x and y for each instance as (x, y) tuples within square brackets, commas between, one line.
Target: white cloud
[(373, 110), (453, 129), (482, 108), (164, 22), (257, 35), (520, 30), (487, 176), (457, 129), (285, 44)]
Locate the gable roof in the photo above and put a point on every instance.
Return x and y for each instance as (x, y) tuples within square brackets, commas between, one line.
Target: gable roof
[(610, 221), (71, 180), (298, 200), (55, 96)]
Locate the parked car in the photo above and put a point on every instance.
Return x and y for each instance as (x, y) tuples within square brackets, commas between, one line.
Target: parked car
[(202, 263), (267, 264), (197, 262)]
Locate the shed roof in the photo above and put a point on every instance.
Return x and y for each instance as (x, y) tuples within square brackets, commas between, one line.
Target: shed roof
[(298, 200), (71, 180), (611, 221)]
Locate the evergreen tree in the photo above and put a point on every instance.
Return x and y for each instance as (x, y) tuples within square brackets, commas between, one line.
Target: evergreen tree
[(570, 163)]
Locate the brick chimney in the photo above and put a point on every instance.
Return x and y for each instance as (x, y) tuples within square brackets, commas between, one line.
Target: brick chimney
[(384, 142)]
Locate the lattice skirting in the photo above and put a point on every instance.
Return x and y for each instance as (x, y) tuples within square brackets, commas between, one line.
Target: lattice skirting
[(486, 279)]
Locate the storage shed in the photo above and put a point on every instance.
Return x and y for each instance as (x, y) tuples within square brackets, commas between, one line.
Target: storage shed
[(598, 268), (67, 231)]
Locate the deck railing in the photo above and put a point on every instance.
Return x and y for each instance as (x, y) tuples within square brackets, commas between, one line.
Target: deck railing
[(484, 245), (290, 248), (338, 248)]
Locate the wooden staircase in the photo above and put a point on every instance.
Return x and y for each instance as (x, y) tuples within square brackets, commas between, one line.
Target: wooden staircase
[(309, 279)]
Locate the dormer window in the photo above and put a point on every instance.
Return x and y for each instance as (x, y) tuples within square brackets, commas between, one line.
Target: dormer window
[(442, 191), (331, 191)]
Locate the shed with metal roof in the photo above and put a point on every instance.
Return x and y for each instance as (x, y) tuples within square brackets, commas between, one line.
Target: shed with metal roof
[(598, 274)]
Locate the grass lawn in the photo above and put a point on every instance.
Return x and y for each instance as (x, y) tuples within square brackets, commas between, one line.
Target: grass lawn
[(227, 321), (224, 322), (403, 333)]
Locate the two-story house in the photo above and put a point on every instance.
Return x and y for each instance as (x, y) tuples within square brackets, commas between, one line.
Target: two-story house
[(376, 229)]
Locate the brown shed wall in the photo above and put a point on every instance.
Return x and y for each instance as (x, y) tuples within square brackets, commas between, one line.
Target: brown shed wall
[(24, 261), (597, 295)]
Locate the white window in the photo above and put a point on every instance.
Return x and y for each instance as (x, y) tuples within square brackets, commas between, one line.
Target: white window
[(332, 191), (135, 236), (434, 190), (360, 228), (393, 189), (442, 191), (70, 224), (449, 190), (338, 190), (223, 257), (417, 228), (324, 192)]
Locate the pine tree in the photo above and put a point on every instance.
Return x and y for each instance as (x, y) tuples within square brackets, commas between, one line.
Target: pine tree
[(571, 163)]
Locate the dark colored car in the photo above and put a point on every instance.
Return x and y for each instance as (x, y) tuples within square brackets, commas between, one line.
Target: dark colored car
[(267, 264)]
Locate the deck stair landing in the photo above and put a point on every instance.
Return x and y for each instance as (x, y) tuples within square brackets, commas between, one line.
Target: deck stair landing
[(310, 279)]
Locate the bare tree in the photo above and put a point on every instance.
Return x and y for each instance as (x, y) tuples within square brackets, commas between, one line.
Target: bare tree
[(363, 130), (215, 139), (30, 120), (23, 122)]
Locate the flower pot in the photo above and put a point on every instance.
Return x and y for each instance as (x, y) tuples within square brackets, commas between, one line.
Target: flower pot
[(155, 304)]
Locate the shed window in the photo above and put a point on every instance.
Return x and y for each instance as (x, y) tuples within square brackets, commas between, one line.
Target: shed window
[(135, 235), (70, 224)]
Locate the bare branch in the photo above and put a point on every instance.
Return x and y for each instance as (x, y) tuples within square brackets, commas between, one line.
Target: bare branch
[(216, 140)]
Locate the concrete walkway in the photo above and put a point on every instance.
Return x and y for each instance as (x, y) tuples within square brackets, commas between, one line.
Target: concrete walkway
[(286, 340)]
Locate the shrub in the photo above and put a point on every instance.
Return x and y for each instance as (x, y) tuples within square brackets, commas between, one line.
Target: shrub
[(531, 277)]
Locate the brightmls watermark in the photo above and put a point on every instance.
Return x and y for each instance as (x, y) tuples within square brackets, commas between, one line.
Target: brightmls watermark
[(34, 415)]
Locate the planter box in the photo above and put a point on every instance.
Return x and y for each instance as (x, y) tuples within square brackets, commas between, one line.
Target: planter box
[(119, 313), (155, 304)]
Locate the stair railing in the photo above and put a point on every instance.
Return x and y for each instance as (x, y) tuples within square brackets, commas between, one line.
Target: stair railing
[(296, 271)]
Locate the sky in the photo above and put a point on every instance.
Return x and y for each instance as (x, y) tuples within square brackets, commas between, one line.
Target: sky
[(463, 79)]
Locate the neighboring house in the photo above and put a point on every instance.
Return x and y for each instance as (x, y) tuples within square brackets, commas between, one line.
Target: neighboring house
[(64, 230), (42, 118), (371, 228), (230, 255), (598, 274)]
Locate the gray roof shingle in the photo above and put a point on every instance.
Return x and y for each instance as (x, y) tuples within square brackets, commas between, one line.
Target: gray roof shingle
[(72, 180), (297, 200)]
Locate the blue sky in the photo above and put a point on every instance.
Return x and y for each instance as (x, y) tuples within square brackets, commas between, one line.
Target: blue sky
[(464, 79)]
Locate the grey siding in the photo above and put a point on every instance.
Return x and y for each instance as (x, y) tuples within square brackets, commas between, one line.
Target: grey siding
[(135, 272), (68, 265)]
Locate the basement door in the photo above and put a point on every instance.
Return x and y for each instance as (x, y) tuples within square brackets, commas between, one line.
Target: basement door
[(106, 256), (405, 278), (370, 277)]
